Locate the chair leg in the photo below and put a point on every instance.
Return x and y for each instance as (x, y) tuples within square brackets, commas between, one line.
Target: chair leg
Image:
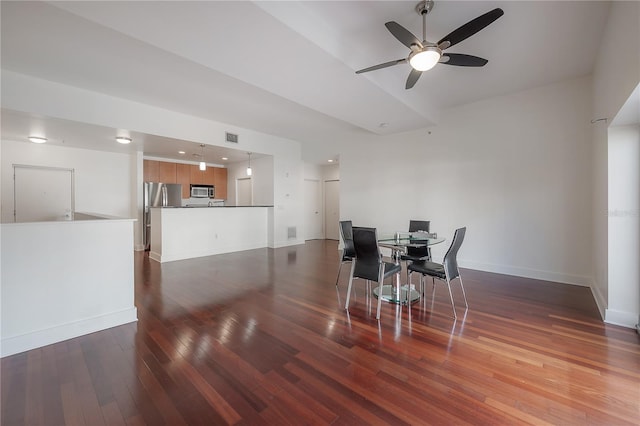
[(353, 267), (463, 292), (453, 306), (338, 277), (380, 285)]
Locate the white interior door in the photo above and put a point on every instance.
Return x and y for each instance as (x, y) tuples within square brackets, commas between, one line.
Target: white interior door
[(244, 192), (312, 210), (332, 209), (42, 193)]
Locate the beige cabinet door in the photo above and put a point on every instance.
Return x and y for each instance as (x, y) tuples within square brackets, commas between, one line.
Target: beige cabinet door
[(183, 177), (150, 171), (167, 172), (220, 182)]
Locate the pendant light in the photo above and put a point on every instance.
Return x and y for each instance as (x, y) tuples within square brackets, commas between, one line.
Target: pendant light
[(203, 165), (249, 171)]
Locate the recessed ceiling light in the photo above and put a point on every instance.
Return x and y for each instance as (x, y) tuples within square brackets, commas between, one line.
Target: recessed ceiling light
[(123, 140), (37, 139), (330, 161), (181, 152), (225, 158)]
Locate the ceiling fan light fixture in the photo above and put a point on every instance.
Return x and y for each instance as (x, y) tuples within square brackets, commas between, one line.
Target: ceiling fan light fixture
[(425, 59)]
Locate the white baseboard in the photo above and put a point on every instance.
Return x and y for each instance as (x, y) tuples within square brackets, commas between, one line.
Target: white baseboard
[(139, 247), (600, 301), (287, 243), (155, 256), (40, 338), (625, 319), (580, 280)]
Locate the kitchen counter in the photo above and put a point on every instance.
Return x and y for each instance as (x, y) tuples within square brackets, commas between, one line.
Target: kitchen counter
[(179, 233)]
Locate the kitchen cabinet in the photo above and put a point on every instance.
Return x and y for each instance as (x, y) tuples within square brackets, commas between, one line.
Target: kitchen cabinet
[(186, 175), (151, 171), (202, 177), (197, 175), (220, 182), (183, 177), (167, 172)]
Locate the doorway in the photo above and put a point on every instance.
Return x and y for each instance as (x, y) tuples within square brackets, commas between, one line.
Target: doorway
[(313, 209), (244, 192), (42, 194), (331, 209)]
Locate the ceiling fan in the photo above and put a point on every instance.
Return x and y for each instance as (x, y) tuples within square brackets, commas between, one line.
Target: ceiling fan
[(425, 55)]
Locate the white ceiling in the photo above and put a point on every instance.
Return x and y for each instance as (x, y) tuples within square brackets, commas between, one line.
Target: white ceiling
[(288, 68)]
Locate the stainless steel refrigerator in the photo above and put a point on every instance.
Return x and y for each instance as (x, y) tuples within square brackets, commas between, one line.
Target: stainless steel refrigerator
[(158, 194)]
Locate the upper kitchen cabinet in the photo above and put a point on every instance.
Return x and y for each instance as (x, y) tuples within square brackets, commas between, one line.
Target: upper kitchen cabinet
[(167, 172), (186, 175), (220, 182), (151, 171), (183, 177), (199, 177)]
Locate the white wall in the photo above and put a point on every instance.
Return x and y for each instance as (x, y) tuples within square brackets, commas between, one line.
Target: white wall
[(624, 226), (514, 169), (615, 76), (25, 93), (261, 180), (64, 279), (330, 172), (103, 181)]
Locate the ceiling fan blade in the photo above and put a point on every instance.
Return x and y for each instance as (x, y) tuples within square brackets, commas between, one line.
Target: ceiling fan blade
[(414, 75), (462, 60), (385, 65), (471, 27), (402, 34)]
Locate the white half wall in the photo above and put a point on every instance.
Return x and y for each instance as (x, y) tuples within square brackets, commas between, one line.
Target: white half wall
[(185, 233), (515, 170), (64, 279)]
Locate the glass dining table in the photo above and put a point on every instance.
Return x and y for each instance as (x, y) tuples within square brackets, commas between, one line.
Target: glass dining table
[(398, 242)]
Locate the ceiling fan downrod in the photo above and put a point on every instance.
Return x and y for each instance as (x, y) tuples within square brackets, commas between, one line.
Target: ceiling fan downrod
[(423, 8)]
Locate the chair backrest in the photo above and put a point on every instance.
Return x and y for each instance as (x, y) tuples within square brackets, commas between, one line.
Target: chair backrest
[(450, 261), (419, 225), (415, 226), (368, 259), (346, 232)]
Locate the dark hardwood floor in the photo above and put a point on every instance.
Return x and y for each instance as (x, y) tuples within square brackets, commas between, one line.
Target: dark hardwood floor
[(261, 337)]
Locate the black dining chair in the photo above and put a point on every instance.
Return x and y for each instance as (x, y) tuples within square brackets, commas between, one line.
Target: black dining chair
[(422, 252), (368, 263), (446, 271), (348, 252), (414, 254)]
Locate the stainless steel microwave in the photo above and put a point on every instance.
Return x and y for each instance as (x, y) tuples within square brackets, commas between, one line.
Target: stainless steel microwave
[(202, 191)]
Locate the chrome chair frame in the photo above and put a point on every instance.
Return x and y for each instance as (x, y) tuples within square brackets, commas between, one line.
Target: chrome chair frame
[(348, 252), (367, 266), (450, 267)]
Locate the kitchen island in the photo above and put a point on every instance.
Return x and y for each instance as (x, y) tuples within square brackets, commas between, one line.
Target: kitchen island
[(179, 233)]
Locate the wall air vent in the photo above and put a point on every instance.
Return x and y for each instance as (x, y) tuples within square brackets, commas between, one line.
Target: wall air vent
[(231, 138), (292, 232)]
